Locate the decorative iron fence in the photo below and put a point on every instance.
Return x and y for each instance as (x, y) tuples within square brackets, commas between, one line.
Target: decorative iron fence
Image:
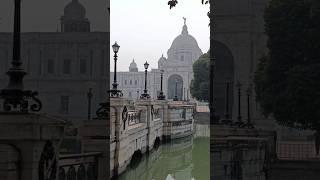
[(79, 166)]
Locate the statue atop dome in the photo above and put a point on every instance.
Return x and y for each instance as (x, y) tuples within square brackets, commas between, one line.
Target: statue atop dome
[(185, 27)]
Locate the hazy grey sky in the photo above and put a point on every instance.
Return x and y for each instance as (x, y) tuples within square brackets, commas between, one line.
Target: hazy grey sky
[(44, 15), (145, 29)]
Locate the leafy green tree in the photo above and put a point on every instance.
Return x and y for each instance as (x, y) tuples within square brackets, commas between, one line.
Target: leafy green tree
[(200, 84), (288, 78)]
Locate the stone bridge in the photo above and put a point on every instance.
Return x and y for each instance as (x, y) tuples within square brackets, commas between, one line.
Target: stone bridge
[(137, 127)]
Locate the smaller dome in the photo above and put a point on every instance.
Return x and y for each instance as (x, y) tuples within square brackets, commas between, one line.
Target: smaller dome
[(161, 61), (133, 66), (74, 10), (162, 58)]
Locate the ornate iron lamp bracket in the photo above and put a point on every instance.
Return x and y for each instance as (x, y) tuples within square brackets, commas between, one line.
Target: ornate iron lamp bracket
[(103, 111), (115, 93), (20, 101)]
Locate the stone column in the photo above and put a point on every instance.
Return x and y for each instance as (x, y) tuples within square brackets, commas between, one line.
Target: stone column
[(148, 103), (32, 140), (165, 128)]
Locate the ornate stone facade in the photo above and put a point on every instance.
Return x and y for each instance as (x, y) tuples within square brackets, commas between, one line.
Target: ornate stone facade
[(183, 52), (62, 66)]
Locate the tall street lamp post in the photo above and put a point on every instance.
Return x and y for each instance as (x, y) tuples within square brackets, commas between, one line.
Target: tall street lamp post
[(137, 94), (239, 102), (176, 92), (103, 110), (249, 92), (89, 96), (114, 92), (16, 99), (188, 95), (145, 94), (161, 95), (227, 117)]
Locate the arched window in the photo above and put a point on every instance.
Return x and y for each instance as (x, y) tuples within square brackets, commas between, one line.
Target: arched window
[(175, 86)]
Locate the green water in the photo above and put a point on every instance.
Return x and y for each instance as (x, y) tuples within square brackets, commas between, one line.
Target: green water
[(183, 159)]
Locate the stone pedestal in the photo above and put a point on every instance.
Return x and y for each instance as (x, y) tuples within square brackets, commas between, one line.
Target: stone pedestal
[(31, 143)]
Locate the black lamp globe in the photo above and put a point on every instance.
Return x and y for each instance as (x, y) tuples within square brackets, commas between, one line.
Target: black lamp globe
[(115, 47), (146, 65)]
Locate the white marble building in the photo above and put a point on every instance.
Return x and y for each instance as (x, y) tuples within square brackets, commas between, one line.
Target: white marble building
[(184, 51), (63, 65)]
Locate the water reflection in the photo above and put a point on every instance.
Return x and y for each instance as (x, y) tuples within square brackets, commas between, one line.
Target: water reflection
[(183, 159)]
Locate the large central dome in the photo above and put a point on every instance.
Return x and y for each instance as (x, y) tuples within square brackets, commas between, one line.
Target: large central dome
[(184, 49), (184, 40), (74, 10)]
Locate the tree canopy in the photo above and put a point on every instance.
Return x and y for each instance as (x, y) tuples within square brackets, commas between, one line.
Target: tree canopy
[(288, 78), (200, 84)]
